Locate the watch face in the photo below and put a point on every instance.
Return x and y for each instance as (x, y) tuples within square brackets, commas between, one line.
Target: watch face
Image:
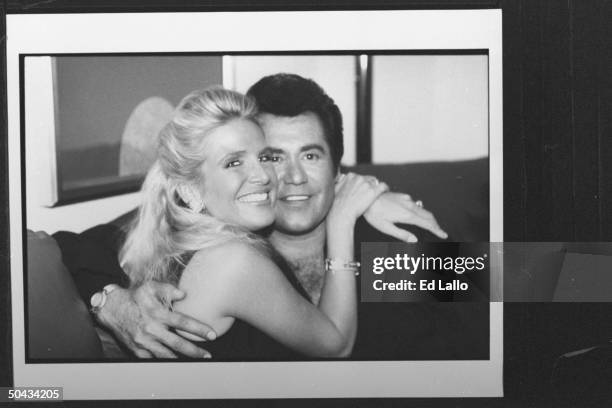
[(96, 299)]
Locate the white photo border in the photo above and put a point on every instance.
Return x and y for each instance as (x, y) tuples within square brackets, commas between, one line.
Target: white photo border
[(256, 32)]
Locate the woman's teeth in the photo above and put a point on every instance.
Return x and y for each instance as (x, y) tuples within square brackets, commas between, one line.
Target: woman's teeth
[(253, 198)]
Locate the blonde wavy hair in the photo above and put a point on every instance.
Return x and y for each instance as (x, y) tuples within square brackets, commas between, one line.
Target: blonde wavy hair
[(167, 232)]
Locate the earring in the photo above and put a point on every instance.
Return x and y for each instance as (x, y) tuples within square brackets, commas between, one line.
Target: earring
[(191, 198)]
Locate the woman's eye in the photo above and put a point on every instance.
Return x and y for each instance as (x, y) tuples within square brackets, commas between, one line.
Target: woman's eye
[(233, 163)]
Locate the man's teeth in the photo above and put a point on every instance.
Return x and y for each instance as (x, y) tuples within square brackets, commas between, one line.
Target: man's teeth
[(253, 198), (296, 198)]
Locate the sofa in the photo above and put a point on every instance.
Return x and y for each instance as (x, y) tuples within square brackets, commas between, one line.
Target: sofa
[(456, 192)]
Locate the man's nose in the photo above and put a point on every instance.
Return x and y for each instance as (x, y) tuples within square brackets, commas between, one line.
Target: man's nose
[(294, 173)]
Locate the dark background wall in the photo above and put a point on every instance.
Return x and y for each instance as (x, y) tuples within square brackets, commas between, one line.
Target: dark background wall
[(557, 168), (557, 154)]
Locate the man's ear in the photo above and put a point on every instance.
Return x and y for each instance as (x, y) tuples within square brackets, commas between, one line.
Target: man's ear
[(191, 196)]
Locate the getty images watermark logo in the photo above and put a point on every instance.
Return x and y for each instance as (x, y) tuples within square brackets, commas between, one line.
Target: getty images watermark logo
[(397, 272)]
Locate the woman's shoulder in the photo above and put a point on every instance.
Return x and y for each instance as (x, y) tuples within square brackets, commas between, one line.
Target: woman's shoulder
[(232, 257), (225, 275)]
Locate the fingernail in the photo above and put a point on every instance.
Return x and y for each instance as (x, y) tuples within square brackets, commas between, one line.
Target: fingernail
[(207, 355), (211, 335)]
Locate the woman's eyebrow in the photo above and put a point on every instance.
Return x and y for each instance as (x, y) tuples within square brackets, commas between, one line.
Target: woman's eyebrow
[(236, 154)]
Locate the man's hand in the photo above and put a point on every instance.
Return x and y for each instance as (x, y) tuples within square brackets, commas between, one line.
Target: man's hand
[(393, 208), (141, 319)]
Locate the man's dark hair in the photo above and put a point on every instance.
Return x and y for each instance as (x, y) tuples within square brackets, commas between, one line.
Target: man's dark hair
[(292, 95)]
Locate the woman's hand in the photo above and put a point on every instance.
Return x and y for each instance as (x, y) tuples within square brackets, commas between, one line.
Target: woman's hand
[(354, 195)]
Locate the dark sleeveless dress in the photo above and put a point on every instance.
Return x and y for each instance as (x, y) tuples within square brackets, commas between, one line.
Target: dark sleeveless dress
[(243, 342)]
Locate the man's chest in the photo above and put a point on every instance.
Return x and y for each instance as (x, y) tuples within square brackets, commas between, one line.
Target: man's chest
[(310, 272)]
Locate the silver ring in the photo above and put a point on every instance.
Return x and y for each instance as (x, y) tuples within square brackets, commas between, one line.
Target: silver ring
[(419, 203)]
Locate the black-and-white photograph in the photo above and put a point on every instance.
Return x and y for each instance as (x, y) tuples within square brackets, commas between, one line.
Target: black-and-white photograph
[(188, 209), (430, 114)]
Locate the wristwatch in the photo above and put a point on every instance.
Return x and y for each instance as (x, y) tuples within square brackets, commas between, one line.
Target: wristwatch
[(98, 299)]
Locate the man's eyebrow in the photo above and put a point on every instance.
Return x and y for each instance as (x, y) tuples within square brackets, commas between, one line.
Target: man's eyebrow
[(313, 146), (269, 150), (273, 150)]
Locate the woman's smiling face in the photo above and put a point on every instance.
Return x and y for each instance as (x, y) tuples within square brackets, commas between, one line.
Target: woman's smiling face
[(239, 181)]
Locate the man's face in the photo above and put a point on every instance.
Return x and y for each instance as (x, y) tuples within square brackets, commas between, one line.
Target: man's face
[(305, 171)]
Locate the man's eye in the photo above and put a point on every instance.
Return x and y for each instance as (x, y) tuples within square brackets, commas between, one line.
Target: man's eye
[(269, 158), (233, 163), (274, 158), (312, 156)]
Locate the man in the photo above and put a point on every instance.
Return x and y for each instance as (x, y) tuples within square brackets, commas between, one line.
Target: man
[(303, 127)]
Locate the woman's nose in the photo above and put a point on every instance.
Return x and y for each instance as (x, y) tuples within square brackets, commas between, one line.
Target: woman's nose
[(259, 175)]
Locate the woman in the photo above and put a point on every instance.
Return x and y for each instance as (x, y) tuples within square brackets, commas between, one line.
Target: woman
[(211, 187)]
